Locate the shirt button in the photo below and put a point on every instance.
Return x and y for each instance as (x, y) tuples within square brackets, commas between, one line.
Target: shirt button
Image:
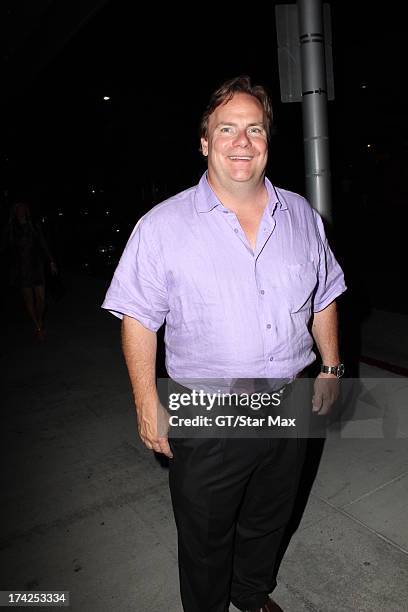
[(270, 358), (268, 326), (262, 292), (236, 231)]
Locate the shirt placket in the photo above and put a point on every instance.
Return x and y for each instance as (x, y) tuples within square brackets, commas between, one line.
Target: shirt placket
[(266, 323), (267, 327), (233, 222)]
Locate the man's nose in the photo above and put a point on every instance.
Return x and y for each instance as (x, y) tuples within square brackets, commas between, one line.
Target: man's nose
[(242, 139)]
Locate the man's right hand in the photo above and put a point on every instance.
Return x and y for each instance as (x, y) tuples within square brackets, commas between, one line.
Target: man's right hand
[(153, 425), (140, 347)]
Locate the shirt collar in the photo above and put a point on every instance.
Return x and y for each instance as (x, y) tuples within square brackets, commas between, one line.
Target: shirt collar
[(206, 200)]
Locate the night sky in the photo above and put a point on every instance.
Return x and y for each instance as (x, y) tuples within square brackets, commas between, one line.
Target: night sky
[(62, 140)]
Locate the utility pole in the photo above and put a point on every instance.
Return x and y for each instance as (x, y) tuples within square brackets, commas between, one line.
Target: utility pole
[(314, 106), (306, 75)]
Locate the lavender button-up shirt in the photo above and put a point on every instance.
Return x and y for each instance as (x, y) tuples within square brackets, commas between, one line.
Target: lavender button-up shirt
[(230, 312)]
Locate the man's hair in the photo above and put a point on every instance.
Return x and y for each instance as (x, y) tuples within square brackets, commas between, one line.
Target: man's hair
[(226, 91)]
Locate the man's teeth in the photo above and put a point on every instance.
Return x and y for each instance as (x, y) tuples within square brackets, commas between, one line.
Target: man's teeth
[(240, 157)]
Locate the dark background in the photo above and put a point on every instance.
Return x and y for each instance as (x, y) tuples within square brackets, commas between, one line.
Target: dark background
[(79, 488), (91, 167)]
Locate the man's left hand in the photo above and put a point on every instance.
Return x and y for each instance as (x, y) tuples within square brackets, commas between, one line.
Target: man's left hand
[(326, 392)]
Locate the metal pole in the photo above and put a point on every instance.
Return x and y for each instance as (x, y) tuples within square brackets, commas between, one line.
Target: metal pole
[(314, 106)]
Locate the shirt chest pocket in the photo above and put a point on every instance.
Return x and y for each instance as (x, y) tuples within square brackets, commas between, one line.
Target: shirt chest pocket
[(298, 282)]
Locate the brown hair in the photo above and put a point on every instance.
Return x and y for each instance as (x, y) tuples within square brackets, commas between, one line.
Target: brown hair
[(226, 91)]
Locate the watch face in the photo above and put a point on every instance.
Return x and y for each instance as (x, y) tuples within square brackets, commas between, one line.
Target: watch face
[(340, 370)]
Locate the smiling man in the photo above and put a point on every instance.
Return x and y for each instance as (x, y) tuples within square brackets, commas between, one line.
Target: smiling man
[(240, 271), (236, 136)]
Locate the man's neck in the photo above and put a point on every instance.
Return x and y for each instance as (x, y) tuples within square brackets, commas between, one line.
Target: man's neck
[(241, 197)]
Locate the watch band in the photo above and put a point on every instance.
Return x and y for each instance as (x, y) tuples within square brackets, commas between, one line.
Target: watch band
[(337, 370)]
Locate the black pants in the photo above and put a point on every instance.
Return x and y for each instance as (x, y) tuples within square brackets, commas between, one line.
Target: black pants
[(232, 499)]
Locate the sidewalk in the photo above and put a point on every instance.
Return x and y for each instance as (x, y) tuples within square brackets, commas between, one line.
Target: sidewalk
[(86, 507)]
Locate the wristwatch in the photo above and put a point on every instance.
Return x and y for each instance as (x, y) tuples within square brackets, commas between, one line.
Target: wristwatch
[(338, 369)]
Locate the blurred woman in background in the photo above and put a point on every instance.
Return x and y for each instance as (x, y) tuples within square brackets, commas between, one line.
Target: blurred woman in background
[(30, 255)]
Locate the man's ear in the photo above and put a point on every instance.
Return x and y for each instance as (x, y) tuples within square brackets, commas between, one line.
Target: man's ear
[(204, 146)]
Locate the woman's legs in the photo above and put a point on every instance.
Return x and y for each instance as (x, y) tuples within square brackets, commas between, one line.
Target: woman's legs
[(39, 294), (34, 300), (29, 301)]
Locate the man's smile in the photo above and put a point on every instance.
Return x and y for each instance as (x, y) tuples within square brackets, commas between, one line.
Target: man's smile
[(240, 157)]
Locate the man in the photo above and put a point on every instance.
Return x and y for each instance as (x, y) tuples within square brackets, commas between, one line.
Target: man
[(236, 267)]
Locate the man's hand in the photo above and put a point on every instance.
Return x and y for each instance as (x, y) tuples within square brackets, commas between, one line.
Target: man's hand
[(326, 392), (153, 425), (139, 347)]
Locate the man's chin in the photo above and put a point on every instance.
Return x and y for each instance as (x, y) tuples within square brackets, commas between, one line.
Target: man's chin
[(245, 175), (241, 177)]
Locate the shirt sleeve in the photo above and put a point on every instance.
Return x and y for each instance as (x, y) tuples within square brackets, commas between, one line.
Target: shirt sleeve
[(330, 275), (138, 288)]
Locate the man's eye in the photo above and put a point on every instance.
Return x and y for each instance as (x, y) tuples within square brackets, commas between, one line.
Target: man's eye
[(255, 130), (225, 130)]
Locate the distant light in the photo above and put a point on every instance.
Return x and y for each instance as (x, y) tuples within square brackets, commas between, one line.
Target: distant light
[(106, 98), (60, 214), (363, 86), (93, 191), (118, 230), (369, 146)]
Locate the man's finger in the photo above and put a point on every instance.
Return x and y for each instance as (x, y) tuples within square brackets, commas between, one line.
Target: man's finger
[(156, 447), (316, 403), (159, 446), (150, 444), (165, 447), (326, 405)]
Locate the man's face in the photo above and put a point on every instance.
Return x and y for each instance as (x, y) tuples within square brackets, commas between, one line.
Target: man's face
[(237, 144)]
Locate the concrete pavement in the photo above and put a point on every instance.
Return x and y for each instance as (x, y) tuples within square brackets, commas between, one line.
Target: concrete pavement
[(86, 507)]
